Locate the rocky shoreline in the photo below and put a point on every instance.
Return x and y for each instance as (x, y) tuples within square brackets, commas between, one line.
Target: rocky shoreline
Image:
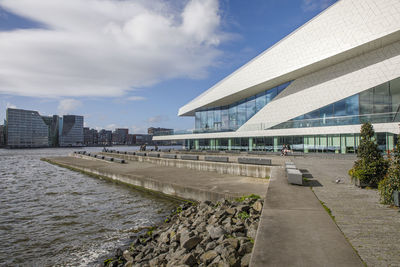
[(204, 234)]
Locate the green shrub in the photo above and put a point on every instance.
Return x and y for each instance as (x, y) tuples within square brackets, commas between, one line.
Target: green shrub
[(392, 179), (371, 167)]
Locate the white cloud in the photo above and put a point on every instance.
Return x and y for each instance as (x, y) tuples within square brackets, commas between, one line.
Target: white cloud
[(138, 129), (111, 126), (107, 47), (157, 119), (318, 5), (136, 98), (9, 105), (68, 105)]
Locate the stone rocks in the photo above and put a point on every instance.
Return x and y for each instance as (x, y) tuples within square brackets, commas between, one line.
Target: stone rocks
[(257, 206), (208, 234), (215, 232), (191, 243), (208, 256)]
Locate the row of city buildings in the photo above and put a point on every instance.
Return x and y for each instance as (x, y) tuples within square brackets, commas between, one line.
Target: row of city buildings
[(29, 129)]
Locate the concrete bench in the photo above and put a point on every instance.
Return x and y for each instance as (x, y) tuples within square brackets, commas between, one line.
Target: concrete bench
[(255, 161), (100, 156), (189, 157), (119, 160), (232, 151), (294, 176), (131, 153), (211, 151), (165, 150), (216, 159), (109, 158), (290, 165), (142, 154), (154, 155), (169, 156)]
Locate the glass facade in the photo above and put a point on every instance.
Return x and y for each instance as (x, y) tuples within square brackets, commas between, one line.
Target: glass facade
[(379, 104), (334, 143), (25, 128), (71, 131), (230, 118)]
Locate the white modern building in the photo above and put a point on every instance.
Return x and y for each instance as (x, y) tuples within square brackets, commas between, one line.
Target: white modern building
[(312, 90)]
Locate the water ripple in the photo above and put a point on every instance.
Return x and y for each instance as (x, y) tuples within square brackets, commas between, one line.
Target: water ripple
[(53, 216)]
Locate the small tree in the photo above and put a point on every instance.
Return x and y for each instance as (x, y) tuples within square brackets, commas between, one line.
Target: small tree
[(371, 167), (392, 179)]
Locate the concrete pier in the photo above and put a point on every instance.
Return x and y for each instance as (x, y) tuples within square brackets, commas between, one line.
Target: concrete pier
[(176, 182)]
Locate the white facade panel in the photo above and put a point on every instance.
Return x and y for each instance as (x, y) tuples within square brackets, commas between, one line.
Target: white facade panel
[(343, 27), (329, 85)]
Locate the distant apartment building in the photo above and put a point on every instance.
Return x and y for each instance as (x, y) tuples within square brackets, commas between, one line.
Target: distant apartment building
[(119, 136), (105, 137), (71, 131), (2, 138), (130, 139), (90, 136), (52, 123), (160, 131), (25, 129), (141, 139)]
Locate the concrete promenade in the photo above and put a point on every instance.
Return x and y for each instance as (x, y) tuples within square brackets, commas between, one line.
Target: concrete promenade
[(176, 182), (372, 228), (295, 230)]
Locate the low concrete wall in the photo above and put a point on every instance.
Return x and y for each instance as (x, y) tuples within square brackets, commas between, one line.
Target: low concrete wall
[(257, 171)]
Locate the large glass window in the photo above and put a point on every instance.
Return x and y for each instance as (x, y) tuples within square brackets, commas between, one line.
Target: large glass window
[(217, 119), (250, 107), (241, 113), (224, 119), (376, 105), (233, 117), (203, 119), (260, 101)]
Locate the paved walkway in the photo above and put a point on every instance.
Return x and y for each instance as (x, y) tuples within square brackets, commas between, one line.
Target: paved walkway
[(180, 182), (373, 229), (295, 230)]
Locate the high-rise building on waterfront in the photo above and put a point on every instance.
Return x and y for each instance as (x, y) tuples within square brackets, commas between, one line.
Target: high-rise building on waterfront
[(71, 131), (52, 123), (2, 136), (312, 90), (25, 129)]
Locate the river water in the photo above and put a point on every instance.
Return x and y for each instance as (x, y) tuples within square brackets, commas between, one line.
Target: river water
[(54, 216)]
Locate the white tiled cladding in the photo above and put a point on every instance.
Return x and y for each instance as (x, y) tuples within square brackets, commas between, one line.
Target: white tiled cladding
[(342, 27), (329, 85)]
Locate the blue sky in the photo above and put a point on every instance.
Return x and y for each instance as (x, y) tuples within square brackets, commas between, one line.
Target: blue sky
[(132, 63)]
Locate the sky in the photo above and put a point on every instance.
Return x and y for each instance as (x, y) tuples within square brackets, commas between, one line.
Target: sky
[(132, 63)]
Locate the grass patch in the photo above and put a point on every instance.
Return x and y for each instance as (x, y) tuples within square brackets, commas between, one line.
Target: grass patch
[(243, 198), (243, 215), (328, 210)]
